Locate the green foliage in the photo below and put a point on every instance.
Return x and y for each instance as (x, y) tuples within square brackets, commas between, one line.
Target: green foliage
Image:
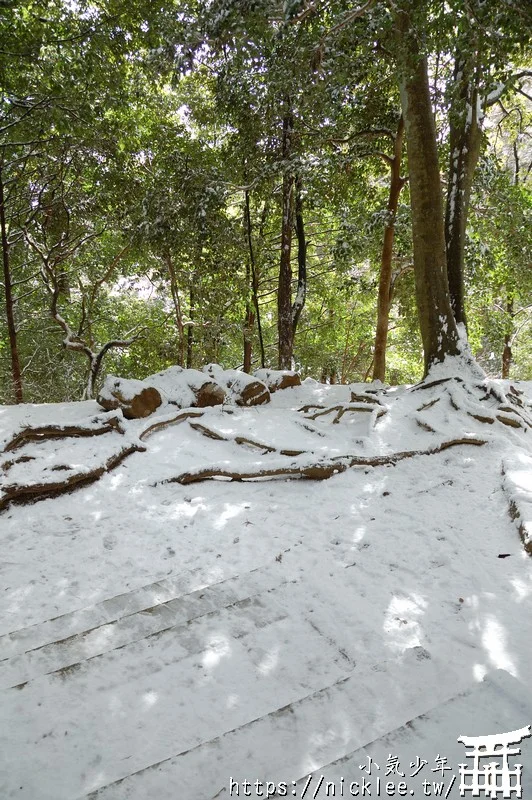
[(129, 136)]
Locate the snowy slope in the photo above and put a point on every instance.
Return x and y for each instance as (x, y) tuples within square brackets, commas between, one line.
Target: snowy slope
[(158, 638)]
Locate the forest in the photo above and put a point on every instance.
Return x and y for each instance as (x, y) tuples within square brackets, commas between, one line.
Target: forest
[(265, 399), (341, 190)]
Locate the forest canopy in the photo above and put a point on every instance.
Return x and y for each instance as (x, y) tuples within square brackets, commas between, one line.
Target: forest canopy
[(313, 184)]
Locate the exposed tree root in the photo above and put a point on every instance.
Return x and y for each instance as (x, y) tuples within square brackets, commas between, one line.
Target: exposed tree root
[(320, 470), (429, 404), (38, 491), (20, 460), (165, 423), (197, 426), (482, 418), (242, 440), (430, 384), (347, 407), (364, 398), (43, 432), (510, 421), (425, 426), (306, 409)]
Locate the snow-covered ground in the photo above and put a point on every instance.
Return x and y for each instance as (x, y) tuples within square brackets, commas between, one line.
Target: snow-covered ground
[(159, 639)]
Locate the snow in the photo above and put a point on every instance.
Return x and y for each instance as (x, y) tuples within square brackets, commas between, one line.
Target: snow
[(177, 385), (158, 638), (127, 387)]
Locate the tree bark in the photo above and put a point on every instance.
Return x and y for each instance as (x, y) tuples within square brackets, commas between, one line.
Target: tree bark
[(177, 307), (385, 278), (438, 328), (465, 138), (301, 294), (253, 286), (16, 372), (284, 292), (507, 351), (190, 331)]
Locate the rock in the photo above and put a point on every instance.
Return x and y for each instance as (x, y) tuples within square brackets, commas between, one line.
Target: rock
[(278, 378), (135, 398), (250, 393), (244, 389), (187, 387), (209, 394)]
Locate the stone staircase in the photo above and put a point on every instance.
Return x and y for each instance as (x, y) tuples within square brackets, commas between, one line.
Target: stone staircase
[(169, 690)]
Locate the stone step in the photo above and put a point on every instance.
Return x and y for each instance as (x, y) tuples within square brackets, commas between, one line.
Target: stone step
[(498, 704), (293, 739), (164, 619), (67, 733), (124, 604)]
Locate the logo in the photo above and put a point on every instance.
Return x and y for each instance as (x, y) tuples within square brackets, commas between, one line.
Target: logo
[(495, 778)]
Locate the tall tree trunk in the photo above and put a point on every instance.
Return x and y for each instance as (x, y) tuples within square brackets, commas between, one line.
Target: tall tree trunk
[(438, 328), (253, 286), (507, 351), (248, 326), (385, 278), (190, 331), (284, 292), (174, 289), (301, 294), (16, 372), (465, 138)]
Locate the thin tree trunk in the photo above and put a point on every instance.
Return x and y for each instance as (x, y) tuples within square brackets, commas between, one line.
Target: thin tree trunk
[(507, 351), (16, 372), (465, 138), (438, 328), (177, 307), (248, 326), (253, 284), (301, 294), (190, 331), (284, 293), (385, 278)]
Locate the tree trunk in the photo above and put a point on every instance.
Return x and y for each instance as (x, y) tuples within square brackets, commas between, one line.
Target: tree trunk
[(190, 331), (16, 372), (385, 278), (301, 294), (177, 307), (465, 138), (506, 356), (253, 286), (438, 328), (284, 292), (507, 351)]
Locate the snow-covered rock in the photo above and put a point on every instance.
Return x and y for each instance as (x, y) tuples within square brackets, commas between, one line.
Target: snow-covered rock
[(278, 378), (135, 398), (244, 389), (187, 387)]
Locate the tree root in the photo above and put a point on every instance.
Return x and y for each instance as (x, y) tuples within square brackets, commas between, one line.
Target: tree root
[(320, 470), (345, 407), (430, 384), (197, 426), (425, 426), (20, 460), (510, 421), (165, 423), (43, 432), (481, 418), (242, 440), (429, 404), (364, 398), (38, 491)]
